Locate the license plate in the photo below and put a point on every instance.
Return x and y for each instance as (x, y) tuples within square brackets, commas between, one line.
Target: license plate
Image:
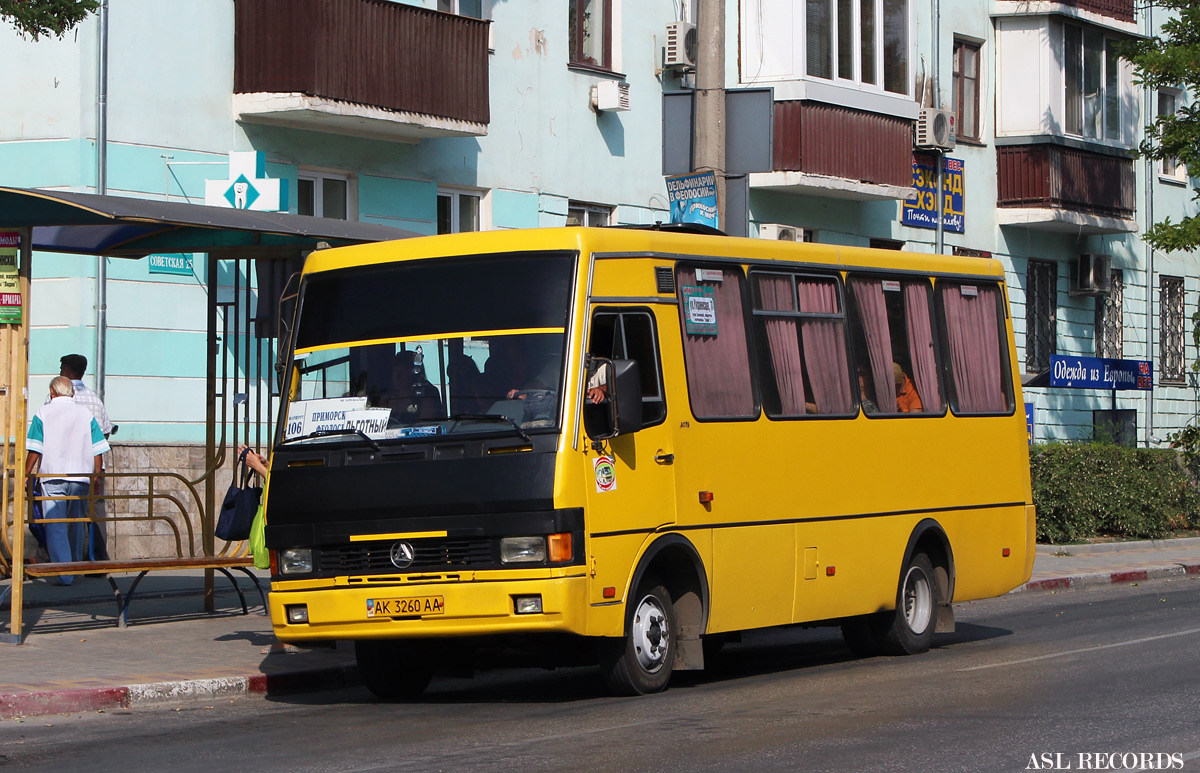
[(413, 605)]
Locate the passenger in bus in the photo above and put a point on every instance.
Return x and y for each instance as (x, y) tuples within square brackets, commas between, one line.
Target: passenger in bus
[(412, 396), (907, 399), (864, 391)]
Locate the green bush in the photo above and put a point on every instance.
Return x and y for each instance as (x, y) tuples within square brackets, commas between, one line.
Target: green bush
[(1099, 489)]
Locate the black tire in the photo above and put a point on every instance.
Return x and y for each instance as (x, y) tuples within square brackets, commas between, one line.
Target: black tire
[(393, 669), (909, 631), (861, 635), (641, 661)]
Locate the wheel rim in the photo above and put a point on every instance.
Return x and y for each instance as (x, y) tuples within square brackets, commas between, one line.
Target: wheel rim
[(918, 600), (651, 635)]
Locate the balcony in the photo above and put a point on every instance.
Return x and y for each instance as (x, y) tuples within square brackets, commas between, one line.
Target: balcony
[(1054, 187), (839, 152), (1118, 10), (367, 68)]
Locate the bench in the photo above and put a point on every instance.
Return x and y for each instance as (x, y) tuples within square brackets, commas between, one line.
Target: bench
[(144, 566)]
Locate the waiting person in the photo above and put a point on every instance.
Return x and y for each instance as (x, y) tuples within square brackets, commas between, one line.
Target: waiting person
[(907, 399), (73, 366), (68, 443), (412, 396)]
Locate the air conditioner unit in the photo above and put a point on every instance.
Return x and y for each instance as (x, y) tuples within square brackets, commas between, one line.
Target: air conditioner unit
[(935, 129), (1092, 275), (611, 96), (779, 232), (682, 42)]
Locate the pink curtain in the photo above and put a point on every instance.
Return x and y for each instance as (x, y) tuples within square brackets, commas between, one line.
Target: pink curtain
[(775, 294), (872, 312), (825, 346), (718, 365), (973, 333), (920, 345)]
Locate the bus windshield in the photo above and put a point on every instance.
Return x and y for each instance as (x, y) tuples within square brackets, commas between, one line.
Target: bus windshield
[(427, 349)]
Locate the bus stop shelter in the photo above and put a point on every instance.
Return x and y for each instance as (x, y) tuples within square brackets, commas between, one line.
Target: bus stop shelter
[(266, 245)]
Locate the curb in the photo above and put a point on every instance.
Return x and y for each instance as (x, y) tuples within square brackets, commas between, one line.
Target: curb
[(73, 701), (1108, 578)]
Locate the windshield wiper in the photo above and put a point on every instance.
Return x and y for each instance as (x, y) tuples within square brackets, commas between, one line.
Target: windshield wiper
[(492, 417), (329, 432)]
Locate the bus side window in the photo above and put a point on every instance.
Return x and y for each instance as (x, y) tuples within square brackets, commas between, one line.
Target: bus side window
[(977, 352), (630, 335), (895, 357), (715, 351)]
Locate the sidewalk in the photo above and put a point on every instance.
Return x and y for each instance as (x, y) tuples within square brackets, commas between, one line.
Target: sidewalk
[(75, 659)]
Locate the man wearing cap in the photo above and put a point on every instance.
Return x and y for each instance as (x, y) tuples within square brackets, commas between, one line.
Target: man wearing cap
[(66, 439), (73, 366)]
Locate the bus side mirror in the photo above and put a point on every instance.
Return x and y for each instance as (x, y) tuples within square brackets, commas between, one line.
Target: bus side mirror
[(621, 411)]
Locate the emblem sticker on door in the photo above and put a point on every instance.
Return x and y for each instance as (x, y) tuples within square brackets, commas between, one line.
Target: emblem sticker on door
[(606, 474)]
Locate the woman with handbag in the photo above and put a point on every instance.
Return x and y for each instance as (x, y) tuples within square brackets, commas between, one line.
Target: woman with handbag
[(258, 549)]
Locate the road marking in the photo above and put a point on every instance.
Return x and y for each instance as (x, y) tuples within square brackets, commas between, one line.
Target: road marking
[(1085, 649)]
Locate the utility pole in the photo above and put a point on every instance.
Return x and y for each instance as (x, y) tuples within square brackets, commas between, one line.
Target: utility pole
[(708, 155)]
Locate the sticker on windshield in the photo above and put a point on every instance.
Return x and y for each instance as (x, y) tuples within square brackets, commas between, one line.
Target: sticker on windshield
[(372, 421), (309, 416), (606, 474)]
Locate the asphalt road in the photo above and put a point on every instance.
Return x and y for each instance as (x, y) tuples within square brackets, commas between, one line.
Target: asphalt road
[(1108, 671)]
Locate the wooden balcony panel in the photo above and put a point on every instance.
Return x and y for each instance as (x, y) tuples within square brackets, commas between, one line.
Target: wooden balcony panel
[(1057, 177), (368, 52), (816, 138)]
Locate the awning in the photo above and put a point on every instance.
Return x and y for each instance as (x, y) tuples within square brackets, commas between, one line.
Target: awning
[(121, 226)]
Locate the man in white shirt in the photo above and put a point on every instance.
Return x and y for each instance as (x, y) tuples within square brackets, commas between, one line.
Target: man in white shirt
[(73, 366), (66, 439)]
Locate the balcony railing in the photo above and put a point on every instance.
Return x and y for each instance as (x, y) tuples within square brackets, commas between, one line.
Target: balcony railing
[(820, 139), (1057, 177), (1121, 10), (372, 53)]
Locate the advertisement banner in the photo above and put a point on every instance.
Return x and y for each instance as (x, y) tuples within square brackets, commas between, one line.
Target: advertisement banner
[(1100, 373), (10, 279), (920, 210), (694, 199)]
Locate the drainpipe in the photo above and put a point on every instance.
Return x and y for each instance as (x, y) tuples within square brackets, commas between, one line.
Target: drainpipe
[(939, 246), (1149, 210), (101, 189)]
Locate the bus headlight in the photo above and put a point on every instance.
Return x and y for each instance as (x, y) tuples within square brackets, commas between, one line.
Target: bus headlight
[(296, 561), (519, 550)]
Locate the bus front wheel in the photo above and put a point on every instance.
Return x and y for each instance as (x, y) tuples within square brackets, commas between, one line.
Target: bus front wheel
[(393, 669), (910, 630), (641, 662)]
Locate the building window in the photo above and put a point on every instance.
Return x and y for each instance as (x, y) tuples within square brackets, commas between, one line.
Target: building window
[(966, 89), (1092, 79), (1110, 338), (472, 8), (1170, 329), (886, 244), (591, 33), (859, 41), (323, 196), (458, 211), (590, 215), (1041, 315), (1168, 107)]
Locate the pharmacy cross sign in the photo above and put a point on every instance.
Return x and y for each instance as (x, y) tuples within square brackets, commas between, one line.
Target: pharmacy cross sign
[(247, 186)]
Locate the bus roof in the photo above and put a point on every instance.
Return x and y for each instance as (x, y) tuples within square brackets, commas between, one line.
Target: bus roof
[(632, 242)]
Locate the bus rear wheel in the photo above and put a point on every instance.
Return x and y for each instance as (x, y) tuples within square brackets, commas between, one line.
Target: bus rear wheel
[(393, 669), (641, 662), (909, 631)]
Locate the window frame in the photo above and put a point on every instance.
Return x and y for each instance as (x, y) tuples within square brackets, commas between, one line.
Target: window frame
[(576, 35), (832, 38), (318, 177), (1172, 347), (455, 195), (1074, 101), (1109, 330), (588, 209), (455, 7), (965, 132), (643, 311), (1170, 168)]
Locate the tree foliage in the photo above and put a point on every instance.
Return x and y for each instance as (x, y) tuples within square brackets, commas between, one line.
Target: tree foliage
[(1171, 59), (37, 18)]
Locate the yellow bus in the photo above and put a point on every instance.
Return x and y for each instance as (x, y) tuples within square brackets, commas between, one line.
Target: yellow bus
[(620, 445)]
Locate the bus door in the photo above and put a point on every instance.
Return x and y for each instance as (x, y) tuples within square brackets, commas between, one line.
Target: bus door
[(631, 486)]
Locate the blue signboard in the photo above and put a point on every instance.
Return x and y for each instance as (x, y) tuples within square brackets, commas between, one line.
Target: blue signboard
[(694, 199), (179, 264), (1029, 424), (1100, 373), (920, 210)]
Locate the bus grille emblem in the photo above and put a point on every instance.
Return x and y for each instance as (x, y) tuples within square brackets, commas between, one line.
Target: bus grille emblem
[(402, 555)]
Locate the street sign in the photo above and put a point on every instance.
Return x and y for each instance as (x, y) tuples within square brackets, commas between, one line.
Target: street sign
[(179, 264), (1100, 373)]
